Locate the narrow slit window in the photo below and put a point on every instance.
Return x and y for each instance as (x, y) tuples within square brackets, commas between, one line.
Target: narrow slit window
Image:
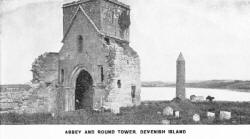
[(112, 17), (102, 74), (107, 40), (119, 84), (80, 43), (62, 75), (101, 71), (133, 89)]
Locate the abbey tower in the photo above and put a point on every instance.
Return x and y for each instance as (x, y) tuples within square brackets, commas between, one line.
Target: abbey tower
[(97, 67)]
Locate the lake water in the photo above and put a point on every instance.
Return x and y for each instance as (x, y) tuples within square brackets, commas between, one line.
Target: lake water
[(167, 93)]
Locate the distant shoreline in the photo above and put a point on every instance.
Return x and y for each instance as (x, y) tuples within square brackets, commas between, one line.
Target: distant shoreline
[(236, 90), (233, 85)]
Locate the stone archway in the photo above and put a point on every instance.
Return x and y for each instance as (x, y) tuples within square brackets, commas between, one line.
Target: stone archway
[(84, 91)]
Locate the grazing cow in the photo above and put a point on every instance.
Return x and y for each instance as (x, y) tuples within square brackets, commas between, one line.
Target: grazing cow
[(209, 98)]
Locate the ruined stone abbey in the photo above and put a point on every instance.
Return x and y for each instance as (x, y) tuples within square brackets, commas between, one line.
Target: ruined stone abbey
[(95, 68)]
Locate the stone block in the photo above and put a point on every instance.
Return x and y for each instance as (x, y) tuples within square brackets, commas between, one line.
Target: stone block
[(168, 111), (225, 115)]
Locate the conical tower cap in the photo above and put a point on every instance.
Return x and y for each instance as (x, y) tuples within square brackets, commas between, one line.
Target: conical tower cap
[(180, 58)]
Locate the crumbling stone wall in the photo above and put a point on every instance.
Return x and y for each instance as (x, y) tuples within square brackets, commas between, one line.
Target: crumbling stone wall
[(39, 98), (124, 68), (45, 68), (11, 97)]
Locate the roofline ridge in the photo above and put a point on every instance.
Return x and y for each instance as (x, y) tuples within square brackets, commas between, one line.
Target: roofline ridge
[(93, 24), (116, 2), (73, 18)]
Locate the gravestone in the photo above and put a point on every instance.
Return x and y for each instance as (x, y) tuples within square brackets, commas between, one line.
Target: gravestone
[(196, 117), (225, 115), (177, 114), (210, 115), (168, 111)]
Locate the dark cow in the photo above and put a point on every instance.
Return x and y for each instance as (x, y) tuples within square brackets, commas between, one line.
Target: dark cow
[(210, 99)]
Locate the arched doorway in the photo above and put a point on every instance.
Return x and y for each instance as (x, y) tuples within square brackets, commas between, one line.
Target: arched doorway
[(84, 91)]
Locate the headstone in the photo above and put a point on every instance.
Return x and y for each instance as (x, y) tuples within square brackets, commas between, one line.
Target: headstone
[(210, 115), (225, 115), (196, 117), (177, 114), (168, 111), (165, 122), (53, 114)]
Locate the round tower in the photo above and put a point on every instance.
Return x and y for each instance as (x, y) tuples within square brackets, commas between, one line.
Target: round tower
[(180, 77)]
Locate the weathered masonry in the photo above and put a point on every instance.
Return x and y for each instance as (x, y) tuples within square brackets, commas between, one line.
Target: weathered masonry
[(97, 67)]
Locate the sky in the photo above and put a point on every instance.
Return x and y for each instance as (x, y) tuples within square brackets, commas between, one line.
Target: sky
[(213, 35)]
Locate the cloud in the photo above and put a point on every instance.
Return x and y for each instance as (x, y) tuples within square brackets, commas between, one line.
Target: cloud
[(10, 5)]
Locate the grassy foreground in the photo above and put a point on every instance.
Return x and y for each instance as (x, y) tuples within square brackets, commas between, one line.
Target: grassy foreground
[(146, 113)]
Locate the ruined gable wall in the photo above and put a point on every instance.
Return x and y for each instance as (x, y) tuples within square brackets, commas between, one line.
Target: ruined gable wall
[(92, 56), (45, 68), (37, 97), (90, 6)]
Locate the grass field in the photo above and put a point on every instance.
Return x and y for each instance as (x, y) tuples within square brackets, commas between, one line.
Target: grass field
[(146, 113)]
